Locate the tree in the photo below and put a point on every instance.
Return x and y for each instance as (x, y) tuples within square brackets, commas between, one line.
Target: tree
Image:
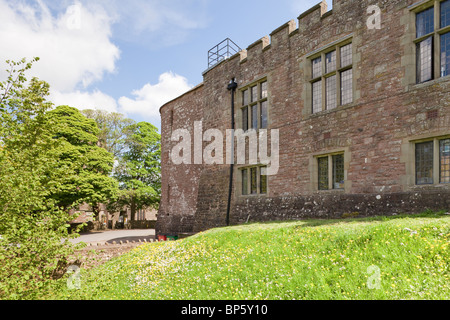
[(139, 169), (34, 234), (113, 130), (89, 164)]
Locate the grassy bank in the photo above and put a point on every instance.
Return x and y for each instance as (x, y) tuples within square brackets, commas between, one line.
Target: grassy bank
[(404, 257)]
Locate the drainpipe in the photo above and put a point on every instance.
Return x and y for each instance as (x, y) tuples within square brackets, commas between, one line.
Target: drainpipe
[(232, 88)]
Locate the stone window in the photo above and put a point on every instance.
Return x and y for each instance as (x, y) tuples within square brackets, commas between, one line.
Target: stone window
[(254, 110), (262, 182), (317, 68), (244, 179), (331, 100), (432, 40), (432, 162), (444, 159), (245, 118), (317, 96), (347, 87), (445, 54), (254, 181), (330, 62), (332, 78), (323, 173), (424, 163), (331, 172)]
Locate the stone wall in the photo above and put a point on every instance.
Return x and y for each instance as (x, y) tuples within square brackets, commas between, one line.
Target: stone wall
[(329, 206), (376, 131), (179, 181), (143, 224)]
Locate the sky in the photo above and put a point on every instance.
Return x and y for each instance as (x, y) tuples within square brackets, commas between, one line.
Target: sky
[(130, 56)]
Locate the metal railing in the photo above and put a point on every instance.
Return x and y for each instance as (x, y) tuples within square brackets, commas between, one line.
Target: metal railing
[(222, 51)]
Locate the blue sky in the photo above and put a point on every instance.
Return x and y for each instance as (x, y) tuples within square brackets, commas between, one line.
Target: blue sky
[(130, 56)]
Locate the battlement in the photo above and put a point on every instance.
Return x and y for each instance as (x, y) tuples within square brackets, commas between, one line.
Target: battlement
[(291, 28), (312, 15)]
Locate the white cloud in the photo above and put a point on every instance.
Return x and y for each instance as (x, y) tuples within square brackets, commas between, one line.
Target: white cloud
[(149, 99), (74, 46), (74, 43), (85, 100)]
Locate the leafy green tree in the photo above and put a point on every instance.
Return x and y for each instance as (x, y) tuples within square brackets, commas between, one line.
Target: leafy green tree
[(89, 164), (139, 169), (34, 234), (113, 130)]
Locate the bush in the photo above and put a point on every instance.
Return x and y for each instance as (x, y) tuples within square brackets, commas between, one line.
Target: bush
[(34, 230)]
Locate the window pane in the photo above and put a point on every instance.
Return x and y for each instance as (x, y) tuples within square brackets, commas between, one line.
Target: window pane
[(330, 61), (244, 182), (425, 60), (346, 56), (317, 96), (262, 182), (445, 54), (254, 93), (323, 173), (425, 22), (245, 98), (264, 90), (264, 115), (245, 118), (317, 68), (338, 172), (424, 163), (347, 87), (445, 160), (254, 117), (254, 179), (445, 13), (331, 92)]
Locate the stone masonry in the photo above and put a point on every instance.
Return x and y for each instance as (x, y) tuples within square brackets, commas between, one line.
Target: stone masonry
[(377, 132)]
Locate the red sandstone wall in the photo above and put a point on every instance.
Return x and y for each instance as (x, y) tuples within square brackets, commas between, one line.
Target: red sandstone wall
[(177, 209), (387, 112)]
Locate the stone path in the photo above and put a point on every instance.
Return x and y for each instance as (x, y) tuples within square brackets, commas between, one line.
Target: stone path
[(103, 246), (117, 236)]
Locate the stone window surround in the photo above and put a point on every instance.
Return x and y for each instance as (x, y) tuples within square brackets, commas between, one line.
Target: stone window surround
[(330, 174), (305, 66), (314, 170), (409, 158), (414, 9), (240, 103), (239, 182), (238, 120), (322, 52)]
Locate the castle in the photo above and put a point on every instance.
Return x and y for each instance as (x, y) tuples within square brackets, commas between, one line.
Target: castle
[(353, 104)]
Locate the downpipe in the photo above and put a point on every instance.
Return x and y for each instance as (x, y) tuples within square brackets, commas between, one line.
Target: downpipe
[(232, 86)]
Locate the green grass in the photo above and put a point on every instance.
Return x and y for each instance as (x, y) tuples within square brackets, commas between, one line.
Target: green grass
[(314, 260)]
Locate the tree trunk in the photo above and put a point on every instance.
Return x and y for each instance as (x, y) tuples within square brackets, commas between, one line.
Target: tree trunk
[(133, 209), (96, 211)]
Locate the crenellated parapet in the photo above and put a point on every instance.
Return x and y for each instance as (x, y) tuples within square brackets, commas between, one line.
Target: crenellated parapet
[(312, 16), (292, 28)]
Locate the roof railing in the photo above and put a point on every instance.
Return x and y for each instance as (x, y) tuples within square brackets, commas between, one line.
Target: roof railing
[(222, 51)]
